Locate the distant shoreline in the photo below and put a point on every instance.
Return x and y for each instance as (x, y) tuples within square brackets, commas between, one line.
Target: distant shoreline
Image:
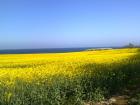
[(49, 50)]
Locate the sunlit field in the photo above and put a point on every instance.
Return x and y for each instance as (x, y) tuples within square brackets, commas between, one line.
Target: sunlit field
[(65, 78)]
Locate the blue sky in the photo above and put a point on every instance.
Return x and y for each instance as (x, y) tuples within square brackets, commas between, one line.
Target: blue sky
[(68, 23)]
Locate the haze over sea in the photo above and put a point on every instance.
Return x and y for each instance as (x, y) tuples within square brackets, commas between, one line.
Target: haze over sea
[(45, 50)]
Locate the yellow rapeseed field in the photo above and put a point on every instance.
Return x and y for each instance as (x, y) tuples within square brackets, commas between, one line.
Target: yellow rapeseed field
[(22, 75), (28, 66)]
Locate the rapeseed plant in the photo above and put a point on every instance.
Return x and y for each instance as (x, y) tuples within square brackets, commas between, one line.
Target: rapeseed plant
[(64, 78)]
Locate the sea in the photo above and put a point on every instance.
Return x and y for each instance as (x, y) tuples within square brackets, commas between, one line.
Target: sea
[(44, 50)]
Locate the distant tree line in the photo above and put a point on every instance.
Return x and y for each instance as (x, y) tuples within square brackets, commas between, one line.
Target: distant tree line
[(131, 45)]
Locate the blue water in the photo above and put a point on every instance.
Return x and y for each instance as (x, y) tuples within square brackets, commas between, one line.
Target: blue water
[(46, 50)]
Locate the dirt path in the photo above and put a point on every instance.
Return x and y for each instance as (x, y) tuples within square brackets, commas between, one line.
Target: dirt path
[(128, 96)]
